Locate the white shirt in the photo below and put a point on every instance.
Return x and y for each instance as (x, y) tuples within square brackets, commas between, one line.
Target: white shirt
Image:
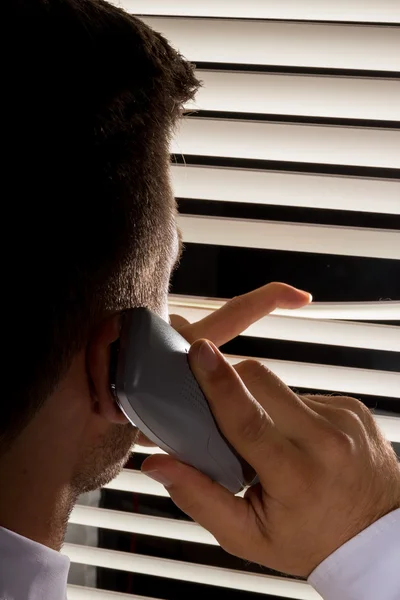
[(30, 571), (365, 568)]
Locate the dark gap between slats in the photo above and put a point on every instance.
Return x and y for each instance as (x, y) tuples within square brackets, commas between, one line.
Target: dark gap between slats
[(296, 214), (297, 70), (295, 119), (169, 589), (225, 272), (267, 20), (339, 356), (285, 166)]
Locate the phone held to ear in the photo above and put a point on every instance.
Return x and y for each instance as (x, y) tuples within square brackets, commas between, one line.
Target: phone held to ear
[(156, 390)]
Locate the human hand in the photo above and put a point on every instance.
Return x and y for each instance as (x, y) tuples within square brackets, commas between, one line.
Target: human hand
[(325, 470), (235, 316)]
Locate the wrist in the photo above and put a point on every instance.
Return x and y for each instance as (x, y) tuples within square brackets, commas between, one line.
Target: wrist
[(351, 571)]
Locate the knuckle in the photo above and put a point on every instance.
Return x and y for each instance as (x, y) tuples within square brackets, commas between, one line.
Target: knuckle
[(355, 406), (337, 445), (254, 426), (237, 302), (252, 370), (352, 417), (357, 413)]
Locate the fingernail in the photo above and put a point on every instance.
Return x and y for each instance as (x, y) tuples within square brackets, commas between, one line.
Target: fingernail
[(306, 293), (158, 476), (207, 359)]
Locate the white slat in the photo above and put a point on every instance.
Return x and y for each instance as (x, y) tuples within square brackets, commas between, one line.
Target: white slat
[(173, 529), (286, 189), (270, 93), (283, 44), (387, 11), (333, 379), (321, 331), (77, 592), (129, 480), (390, 427), (296, 237), (320, 144), (388, 310), (139, 449), (173, 569)]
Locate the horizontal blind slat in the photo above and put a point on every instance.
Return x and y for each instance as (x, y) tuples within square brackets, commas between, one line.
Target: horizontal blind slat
[(174, 529), (77, 592), (333, 379), (331, 332), (286, 189), (216, 576), (387, 11), (129, 480), (283, 44), (324, 97), (297, 237), (385, 310), (318, 144)]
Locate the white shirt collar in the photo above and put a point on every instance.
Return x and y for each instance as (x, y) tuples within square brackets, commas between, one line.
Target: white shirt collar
[(30, 571)]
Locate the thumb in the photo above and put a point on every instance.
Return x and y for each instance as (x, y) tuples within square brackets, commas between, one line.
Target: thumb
[(204, 500), (177, 322)]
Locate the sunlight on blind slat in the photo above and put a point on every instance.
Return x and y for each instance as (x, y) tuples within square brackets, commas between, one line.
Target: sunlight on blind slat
[(77, 592), (333, 333), (286, 189), (283, 44), (228, 578), (173, 529), (313, 10), (129, 480), (312, 96), (333, 379), (263, 140), (296, 237), (388, 310)]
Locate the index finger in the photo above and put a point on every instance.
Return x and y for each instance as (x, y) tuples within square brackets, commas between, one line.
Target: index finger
[(239, 313)]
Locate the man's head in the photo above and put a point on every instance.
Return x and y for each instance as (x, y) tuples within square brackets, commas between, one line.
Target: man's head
[(90, 95)]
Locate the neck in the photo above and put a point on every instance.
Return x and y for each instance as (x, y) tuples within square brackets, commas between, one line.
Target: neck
[(37, 470), (35, 501)]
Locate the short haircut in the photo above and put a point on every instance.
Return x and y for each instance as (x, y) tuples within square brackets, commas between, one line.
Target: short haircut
[(90, 95)]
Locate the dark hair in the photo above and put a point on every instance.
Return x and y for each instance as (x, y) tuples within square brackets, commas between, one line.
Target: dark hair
[(90, 95)]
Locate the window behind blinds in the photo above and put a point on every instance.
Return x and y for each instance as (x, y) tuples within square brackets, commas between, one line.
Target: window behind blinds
[(286, 167)]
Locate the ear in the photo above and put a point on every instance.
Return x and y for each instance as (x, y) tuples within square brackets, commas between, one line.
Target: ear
[(98, 369)]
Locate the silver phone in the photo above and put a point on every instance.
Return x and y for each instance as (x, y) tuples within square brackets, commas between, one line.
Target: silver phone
[(157, 391)]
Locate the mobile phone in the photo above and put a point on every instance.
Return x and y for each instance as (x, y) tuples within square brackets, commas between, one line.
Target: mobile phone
[(157, 391)]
